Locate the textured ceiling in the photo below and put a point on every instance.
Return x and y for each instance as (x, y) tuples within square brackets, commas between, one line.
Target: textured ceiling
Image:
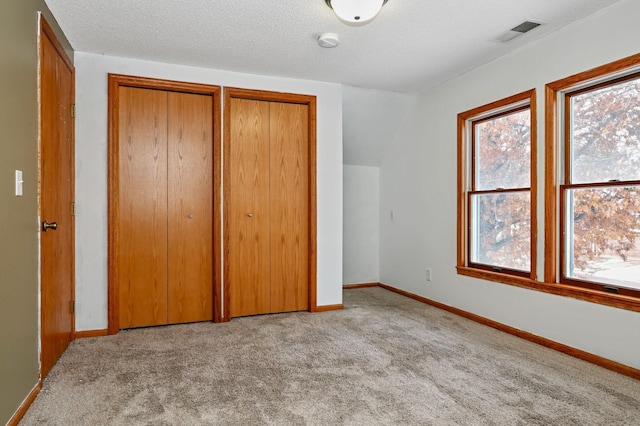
[(411, 46)]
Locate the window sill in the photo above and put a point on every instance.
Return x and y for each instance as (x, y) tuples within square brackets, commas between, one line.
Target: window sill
[(594, 296)]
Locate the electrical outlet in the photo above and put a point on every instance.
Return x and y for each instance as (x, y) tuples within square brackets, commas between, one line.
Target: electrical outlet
[(428, 274)]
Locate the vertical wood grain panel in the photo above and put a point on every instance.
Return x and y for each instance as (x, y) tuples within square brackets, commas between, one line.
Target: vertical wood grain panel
[(142, 219), (247, 264), (56, 191), (289, 194), (292, 250), (190, 216)]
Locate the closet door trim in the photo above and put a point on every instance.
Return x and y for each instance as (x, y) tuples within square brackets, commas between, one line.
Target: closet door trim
[(310, 101), (115, 82)]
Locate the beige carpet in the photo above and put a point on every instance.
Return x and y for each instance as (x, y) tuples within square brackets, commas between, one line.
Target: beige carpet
[(384, 359)]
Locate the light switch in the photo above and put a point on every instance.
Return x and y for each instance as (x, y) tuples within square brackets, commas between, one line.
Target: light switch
[(19, 183)]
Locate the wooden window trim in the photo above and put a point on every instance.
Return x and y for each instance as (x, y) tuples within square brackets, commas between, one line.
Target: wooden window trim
[(464, 266), (550, 283), (552, 253), (620, 301)]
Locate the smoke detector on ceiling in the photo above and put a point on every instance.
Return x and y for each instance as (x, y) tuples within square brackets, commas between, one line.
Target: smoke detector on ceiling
[(517, 31), (328, 40)]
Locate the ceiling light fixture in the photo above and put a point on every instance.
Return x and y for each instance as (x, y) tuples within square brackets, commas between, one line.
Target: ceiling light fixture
[(356, 11)]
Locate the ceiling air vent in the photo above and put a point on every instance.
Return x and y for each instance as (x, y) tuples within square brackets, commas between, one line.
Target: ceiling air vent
[(525, 27), (517, 31)]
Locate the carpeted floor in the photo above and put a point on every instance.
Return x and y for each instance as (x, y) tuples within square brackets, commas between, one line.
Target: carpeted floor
[(383, 360)]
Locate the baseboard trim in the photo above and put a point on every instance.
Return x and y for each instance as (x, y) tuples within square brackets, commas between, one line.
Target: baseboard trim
[(22, 410), (91, 333), (560, 347), (327, 308), (362, 285)]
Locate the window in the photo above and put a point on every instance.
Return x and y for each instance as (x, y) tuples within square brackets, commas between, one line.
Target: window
[(592, 185), (496, 228), (600, 190)]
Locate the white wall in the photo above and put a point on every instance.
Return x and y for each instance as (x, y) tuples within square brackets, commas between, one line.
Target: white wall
[(370, 121), (361, 225), (418, 182), (91, 171)]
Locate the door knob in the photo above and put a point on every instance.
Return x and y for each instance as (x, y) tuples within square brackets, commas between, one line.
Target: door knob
[(250, 214), (190, 216), (46, 226)]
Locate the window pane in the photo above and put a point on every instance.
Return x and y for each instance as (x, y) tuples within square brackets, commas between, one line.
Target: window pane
[(501, 229), (603, 235), (503, 151), (605, 133)]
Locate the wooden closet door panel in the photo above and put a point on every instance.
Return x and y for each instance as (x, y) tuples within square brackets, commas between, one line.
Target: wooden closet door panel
[(142, 207), (247, 209), (289, 189), (190, 192)]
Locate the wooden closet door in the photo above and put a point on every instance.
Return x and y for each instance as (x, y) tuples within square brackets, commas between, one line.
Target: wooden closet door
[(142, 207), (289, 193), (190, 215), (247, 213)]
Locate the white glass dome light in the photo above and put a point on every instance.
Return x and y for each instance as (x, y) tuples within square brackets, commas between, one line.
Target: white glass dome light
[(356, 11)]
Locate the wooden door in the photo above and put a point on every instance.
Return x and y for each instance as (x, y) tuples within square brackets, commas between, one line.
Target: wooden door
[(190, 216), (56, 192), (164, 223), (289, 195), (142, 207), (247, 214), (267, 208)]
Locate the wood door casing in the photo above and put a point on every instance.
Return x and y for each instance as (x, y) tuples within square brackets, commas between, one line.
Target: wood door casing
[(142, 202), (247, 209), (289, 178), (190, 215), (195, 247), (56, 197)]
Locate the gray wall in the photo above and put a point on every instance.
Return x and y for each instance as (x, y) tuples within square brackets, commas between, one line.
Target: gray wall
[(19, 360)]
